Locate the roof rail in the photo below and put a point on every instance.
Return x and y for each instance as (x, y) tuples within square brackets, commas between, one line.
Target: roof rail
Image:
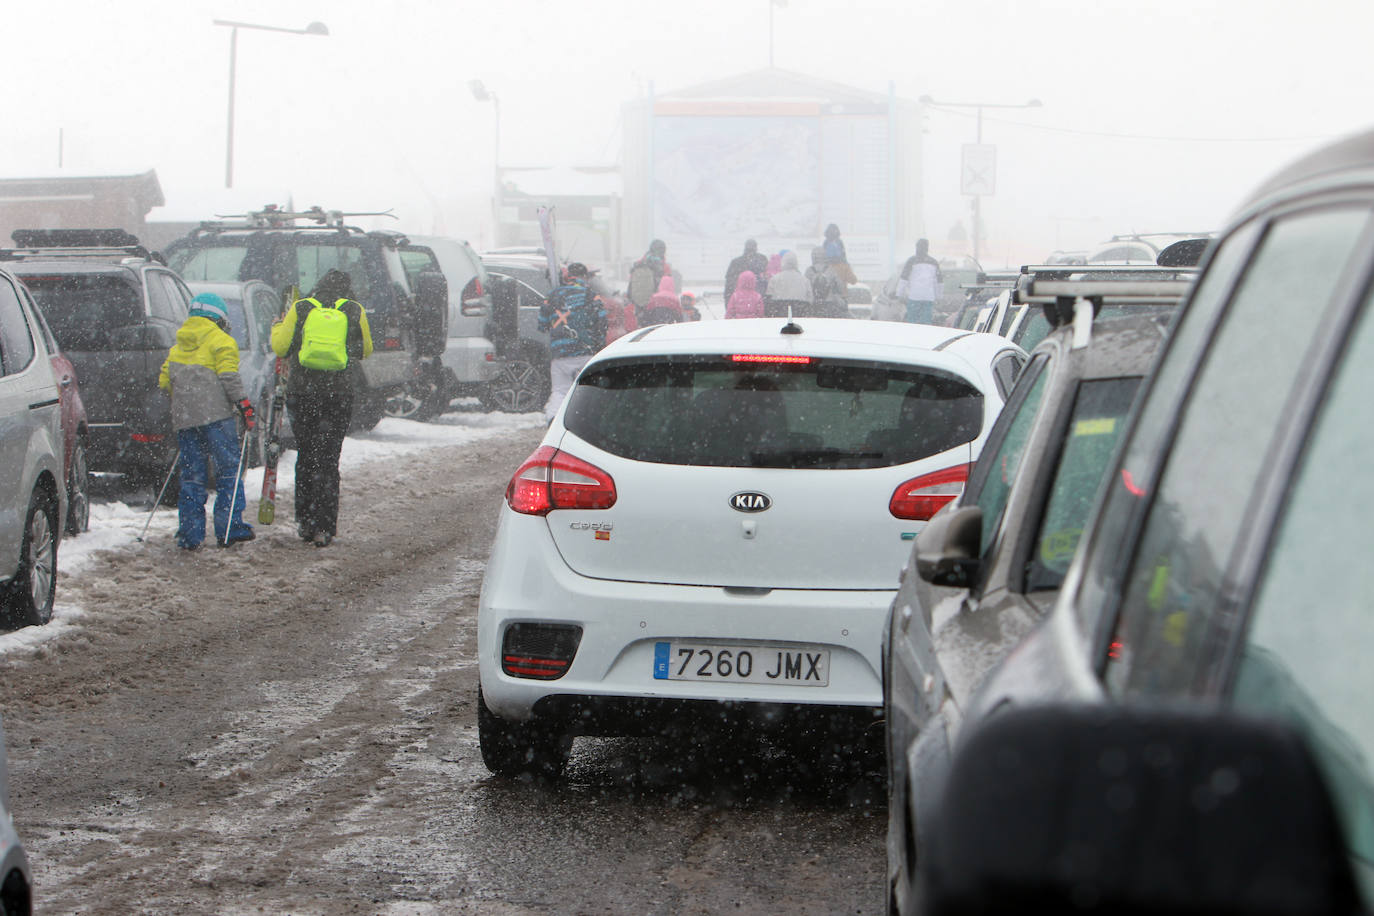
[(1078, 294), (74, 243)]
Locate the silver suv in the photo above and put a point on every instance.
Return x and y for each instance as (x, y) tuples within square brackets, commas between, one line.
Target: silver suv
[(32, 497)]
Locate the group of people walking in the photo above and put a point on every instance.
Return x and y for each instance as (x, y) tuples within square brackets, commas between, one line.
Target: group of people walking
[(201, 373)]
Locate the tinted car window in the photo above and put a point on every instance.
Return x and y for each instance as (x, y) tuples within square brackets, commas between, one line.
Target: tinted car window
[(237, 322), (160, 295), (991, 481), (1095, 426), (1236, 403), (828, 414), (1311, 628), (15, 336), (83, 309), (266, 306)]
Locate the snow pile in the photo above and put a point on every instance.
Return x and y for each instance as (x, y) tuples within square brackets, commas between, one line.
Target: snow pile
[(116, 526)]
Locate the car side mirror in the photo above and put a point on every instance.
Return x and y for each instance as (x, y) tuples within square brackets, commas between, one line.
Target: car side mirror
[(949, 548), (431, 313), (1134, 810)]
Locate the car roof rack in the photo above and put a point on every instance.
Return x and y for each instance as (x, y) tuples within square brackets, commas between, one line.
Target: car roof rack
[(272, 216), (74, 243), (1078, 293)]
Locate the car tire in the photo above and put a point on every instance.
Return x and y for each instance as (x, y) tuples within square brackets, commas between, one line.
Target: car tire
[(29, 595), (78, 493), (514, 749), (422, 400), (521, 386)]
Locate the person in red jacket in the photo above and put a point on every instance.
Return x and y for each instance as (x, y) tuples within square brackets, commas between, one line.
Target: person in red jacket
[(664, 307)]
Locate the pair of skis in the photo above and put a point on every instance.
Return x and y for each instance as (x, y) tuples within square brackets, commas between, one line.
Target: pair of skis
[(271, 452)]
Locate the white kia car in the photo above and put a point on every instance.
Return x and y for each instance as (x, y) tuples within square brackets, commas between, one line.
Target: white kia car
[(714, 524)]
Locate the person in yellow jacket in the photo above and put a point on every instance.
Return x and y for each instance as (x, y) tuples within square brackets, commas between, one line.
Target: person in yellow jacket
[(320, 404), (201, 372)]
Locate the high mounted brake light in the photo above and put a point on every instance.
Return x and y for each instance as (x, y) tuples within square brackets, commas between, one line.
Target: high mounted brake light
[(769, 358)]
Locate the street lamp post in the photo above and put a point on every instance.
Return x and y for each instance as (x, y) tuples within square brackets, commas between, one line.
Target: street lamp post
[(977, 197), (314, 28), (482, 94)]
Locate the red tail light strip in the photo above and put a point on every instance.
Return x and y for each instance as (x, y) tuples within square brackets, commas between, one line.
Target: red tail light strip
[(769, 358), (534, 667)]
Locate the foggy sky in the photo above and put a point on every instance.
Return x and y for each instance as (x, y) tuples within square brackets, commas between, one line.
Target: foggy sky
[(1156, 116)]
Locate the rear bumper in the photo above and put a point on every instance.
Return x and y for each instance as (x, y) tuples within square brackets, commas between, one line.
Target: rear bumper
[(387, 370), (611, 678), (111, 447), (472, 360)]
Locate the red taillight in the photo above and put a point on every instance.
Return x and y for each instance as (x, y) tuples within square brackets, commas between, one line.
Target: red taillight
[(391, 343), (550, 479), (921, 497), (146, 437), (769, 358)]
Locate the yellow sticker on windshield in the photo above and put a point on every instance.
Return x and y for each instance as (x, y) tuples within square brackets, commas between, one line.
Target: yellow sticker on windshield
[(1101, 426)]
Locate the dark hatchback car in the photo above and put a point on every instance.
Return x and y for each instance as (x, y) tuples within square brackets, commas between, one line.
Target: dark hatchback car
[(1225, 566), (115, 311), (291, 251), (987, 569)]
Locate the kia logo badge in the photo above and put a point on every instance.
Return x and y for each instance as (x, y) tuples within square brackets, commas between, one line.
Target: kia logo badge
[(750, 501)]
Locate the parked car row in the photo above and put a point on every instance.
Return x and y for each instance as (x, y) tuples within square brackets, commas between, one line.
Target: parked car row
[(1125, 665)]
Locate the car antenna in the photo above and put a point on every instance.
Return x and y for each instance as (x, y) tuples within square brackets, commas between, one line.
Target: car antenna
[(791, 327)]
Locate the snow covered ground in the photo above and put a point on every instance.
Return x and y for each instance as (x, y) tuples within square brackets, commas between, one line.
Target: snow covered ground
[(116, 526)]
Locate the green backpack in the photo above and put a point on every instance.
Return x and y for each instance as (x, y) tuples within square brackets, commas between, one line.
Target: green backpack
[(324, 337)]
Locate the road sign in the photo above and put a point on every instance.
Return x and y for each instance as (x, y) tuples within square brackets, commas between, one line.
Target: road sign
[(978, 177)]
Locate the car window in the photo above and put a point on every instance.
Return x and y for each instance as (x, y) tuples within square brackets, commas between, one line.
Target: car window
[(266, 308), (314, 260), (1101, 581), (1095, 426), (1004, 370), (416, 260), (825, 414), (1311, 628), (211, 263), (163, 296), (237, 321), (83, 309), (1009, 318), (1236, 402), (992, 479), (1311, 625), (16, 338)]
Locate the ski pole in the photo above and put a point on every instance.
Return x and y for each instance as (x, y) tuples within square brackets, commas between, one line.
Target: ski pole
[(238, 477), (158, 501)]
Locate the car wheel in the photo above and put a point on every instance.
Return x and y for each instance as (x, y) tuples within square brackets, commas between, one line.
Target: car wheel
[(78, 493), (522, 385), (30, 593), (520, 748), (423, 399)]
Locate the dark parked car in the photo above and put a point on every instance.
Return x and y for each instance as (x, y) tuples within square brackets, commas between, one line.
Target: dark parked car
[(115, 312), (1225, 564), (1016, 525), (520, 284), (291, 251)]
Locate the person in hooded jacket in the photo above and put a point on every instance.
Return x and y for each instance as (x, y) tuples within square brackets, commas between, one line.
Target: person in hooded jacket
[(751, 260), (827, 289), (920, 284), (664, 306), (745, 302), (575, 319), (201, 372), (788, 289), (320, 404), (836, 256), (646, 273)]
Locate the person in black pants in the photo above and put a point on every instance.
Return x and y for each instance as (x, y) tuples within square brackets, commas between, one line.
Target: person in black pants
[(320, 404)]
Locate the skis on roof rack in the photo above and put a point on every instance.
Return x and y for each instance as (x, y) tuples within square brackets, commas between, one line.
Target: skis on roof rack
[(272, 216)]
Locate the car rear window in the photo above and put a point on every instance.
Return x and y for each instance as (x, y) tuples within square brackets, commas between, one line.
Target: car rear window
[(83, 309), (210, 263), (717, 411)]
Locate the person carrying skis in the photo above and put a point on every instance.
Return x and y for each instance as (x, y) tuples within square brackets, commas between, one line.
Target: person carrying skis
[(920, 284), (201, 373), (575, 319), (323, 351)]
